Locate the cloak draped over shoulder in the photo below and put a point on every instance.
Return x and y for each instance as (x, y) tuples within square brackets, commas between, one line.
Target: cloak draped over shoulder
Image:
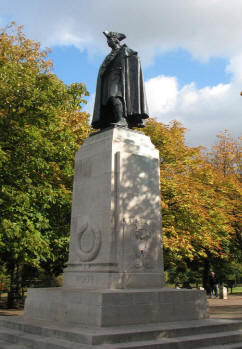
[(120, 76)]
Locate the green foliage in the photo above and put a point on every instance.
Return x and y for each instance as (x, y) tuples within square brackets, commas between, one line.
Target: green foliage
[(200, 205), (4, 279), (41, 126), (186, 278)]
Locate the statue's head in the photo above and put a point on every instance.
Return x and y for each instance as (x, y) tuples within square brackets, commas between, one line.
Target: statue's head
[(113, 38)]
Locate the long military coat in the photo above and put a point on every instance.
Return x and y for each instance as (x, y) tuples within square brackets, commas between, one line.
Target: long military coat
[(120, 75)]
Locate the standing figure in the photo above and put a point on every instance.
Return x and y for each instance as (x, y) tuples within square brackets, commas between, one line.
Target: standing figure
[(120, 94), (213, 283)]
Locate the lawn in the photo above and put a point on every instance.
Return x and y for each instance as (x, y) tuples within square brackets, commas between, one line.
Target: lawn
[(237, 289)]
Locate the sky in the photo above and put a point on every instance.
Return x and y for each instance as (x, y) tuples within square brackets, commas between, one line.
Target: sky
[(191, 53)]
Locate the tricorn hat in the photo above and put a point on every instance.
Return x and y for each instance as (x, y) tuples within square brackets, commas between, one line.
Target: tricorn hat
[(110, 35)]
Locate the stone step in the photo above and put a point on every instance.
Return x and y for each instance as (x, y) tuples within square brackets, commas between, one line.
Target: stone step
[(25, 340), (172, 330), (124, 333), (20, 340), (6, 345), (188, 342), (182, 335), (225, 346), (45, 329)]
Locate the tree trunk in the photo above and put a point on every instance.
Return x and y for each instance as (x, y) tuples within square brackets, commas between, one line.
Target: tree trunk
[(10, 301), (206, 267), (14, 293)]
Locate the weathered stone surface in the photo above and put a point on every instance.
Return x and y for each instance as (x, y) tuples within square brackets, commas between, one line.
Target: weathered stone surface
[(19, 333), (115, 307), (116, 215)]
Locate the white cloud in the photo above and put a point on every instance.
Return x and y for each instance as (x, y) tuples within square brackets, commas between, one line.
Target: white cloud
[(235, 67), (204, 112), (204, 27), (162, 94), (67, 39)]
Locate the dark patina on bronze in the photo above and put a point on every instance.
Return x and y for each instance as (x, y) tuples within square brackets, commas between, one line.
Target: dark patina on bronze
[(120, 93)]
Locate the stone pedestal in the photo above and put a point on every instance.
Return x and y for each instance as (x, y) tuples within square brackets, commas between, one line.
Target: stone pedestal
[(102, 308), (115, 273), (116, 214)]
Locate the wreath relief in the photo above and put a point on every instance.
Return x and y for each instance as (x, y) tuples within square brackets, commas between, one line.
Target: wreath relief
[(88, 243)]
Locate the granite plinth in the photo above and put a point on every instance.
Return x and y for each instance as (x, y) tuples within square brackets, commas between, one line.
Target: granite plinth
[(115, 307), (116, 214)]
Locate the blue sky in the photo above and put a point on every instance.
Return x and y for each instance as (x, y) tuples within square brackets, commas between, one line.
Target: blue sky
[(191, 53), (72, 65)]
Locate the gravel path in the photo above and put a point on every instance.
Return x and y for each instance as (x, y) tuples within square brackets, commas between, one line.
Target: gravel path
[(230, 308)]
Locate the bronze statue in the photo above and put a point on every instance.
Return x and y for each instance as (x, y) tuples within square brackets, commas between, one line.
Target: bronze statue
[(120, 94)]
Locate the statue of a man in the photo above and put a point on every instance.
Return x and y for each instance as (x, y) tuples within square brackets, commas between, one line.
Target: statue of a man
[(120, 94)]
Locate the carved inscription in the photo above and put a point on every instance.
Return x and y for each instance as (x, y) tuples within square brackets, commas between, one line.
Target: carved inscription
[(87, 279)]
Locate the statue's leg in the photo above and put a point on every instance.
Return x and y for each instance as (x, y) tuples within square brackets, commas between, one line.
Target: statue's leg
[(117, 106)]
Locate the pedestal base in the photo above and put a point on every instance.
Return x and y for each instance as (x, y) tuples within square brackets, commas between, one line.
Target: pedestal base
[(115, 307), (19, 333)]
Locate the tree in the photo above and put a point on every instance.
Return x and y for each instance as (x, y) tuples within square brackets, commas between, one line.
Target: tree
[(226, 157), (41, 126), (226, 154), (197, 213)]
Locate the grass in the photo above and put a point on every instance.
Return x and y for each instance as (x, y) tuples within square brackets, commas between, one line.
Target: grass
[(237, 289)]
